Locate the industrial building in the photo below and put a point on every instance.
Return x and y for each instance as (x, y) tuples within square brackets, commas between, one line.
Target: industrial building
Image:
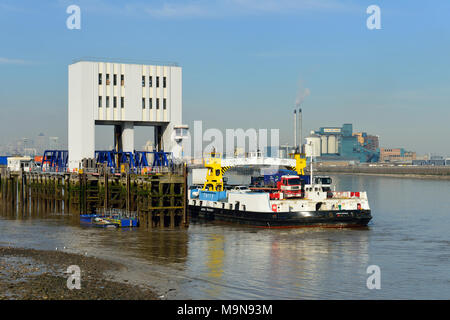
[(123, 95), (368, 141), (341, 144), (431, 161), (396, 155)]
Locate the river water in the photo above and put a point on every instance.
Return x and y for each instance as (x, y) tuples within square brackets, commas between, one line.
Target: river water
[(408, 239)]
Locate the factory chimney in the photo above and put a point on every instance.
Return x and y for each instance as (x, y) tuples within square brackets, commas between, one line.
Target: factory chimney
[(295, 128), (300, 129)]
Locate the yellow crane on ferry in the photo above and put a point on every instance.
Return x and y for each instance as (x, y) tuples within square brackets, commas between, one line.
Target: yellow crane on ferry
[(214, 175)]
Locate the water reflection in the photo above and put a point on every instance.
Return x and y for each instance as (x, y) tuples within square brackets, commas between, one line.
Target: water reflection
[(53, 230), (214, 263), (275, 264), (215, 254), (408, 238)]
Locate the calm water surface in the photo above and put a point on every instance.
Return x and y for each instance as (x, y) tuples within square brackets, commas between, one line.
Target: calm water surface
[(408, 238)]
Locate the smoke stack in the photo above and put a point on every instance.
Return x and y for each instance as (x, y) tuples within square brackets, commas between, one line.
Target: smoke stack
[(300, 141), (295, 128)]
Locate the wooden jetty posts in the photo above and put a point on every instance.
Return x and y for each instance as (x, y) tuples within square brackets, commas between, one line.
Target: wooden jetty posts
[(157, 199)]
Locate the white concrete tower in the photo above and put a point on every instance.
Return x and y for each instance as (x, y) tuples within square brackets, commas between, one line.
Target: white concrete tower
[(124, 95)]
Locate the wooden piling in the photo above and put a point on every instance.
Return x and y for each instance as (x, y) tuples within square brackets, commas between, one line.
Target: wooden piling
[(157, 199)]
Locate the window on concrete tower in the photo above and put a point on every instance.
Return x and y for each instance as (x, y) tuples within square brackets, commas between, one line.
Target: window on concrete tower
[(157, 102), (99, 78), (150, 103), (107, 102), (99, 101), (143, 81), (164, 104), (115, 102), (107, 79), (157, 82), (143, 103), (164, 82), (122, 102), (115, 80), (122, 80), (150, 81)]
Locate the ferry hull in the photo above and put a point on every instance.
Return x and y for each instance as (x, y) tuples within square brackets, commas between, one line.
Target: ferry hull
[(335, 219)]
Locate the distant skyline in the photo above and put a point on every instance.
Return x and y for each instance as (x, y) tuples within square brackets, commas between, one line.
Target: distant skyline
[(245, 64)]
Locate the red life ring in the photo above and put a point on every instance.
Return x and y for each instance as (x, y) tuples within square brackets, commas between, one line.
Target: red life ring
[(274, 208)]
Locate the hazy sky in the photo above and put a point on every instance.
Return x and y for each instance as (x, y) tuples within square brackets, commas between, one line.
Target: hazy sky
[(244, 63)]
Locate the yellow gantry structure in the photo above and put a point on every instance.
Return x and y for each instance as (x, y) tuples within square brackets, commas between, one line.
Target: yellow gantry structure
[(214, 176), (300, 163)]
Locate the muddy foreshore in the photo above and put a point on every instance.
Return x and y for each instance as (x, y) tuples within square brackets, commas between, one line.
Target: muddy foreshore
[(41, 275)]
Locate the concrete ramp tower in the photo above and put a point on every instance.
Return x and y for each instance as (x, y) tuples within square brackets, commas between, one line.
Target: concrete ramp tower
[(123, 95)]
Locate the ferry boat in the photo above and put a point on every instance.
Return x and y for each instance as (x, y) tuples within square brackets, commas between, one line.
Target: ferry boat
[(294, 202)]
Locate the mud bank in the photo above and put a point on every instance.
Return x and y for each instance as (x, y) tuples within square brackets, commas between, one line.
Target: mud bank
[(41, 275)]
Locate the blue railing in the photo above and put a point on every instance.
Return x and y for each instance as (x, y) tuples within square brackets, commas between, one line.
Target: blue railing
[(57, 160)]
